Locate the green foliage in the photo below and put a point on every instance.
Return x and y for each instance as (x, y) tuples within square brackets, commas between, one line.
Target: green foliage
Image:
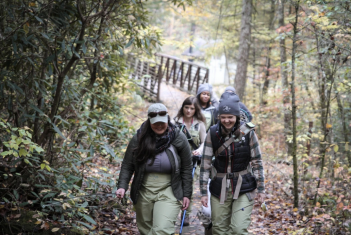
[(19, 143), (63, 87)]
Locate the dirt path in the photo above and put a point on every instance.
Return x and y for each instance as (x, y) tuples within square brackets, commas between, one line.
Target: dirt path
[(173, 98)]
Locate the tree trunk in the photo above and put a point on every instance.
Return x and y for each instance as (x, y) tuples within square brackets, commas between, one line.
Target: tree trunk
[(268, 58), (293, 105), (244, 49), (227, 74), (285, 83), (325, 81), (344, 125)]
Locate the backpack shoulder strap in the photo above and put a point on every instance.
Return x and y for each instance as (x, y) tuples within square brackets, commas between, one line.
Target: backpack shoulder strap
[(214, 138), (174, 152), (246, 128), (224, 146)]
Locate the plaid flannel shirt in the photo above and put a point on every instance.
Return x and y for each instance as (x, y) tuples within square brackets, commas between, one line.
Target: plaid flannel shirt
[(256, 163)]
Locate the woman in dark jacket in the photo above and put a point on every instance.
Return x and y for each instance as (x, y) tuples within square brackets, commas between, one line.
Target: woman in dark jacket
[(159, 156)]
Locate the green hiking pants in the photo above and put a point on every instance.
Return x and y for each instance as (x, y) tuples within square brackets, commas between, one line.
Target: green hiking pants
[(229, 218), (157, 208)]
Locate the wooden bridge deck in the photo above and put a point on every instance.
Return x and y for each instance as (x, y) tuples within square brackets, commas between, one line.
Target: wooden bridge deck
[(149, 74)]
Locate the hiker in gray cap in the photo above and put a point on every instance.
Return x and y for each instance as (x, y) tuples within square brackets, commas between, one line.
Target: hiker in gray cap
[(204, 94), (236, 172), (159, 156)]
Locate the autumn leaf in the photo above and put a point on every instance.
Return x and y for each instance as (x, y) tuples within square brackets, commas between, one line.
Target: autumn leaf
[(340, 206), (318, 204), (55, 230), (295, 209), (45, 226), (336, 148), (328, 126)]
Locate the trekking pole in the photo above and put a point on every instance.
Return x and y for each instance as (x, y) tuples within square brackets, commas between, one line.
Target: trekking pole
[(183, 217)]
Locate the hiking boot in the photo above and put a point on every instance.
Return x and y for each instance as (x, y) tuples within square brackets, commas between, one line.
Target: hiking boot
[(208, 229), (186, 220)]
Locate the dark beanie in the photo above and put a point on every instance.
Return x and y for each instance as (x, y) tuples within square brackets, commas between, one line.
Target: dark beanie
[(229, 104)]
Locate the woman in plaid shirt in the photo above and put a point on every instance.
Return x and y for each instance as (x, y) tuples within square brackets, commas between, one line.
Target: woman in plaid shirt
[(236, 172)]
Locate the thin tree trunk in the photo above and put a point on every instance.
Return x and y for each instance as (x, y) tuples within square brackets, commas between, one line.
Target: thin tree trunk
[(244, 49), (226, 78), (285, 83), (268, 58), (344, 125), (308, 146), (293, 105), (326, 76)]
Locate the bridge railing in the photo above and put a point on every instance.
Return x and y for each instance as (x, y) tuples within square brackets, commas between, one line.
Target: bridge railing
[(185, 75)]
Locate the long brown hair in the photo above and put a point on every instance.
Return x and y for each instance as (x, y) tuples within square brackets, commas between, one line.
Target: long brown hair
[(191, 100)]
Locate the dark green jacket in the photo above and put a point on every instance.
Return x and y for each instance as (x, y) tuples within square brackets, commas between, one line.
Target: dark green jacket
[(181, 178)]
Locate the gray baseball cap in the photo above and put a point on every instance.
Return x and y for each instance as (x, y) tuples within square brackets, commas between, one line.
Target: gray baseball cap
[(156, 108)]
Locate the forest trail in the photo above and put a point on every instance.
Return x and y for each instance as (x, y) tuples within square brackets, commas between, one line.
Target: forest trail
[(172, 97)]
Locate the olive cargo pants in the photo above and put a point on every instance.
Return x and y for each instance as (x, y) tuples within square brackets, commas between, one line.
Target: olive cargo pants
[(229, 218), (157, 208)]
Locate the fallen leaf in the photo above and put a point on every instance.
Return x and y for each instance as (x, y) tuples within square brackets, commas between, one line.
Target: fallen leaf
[(55, 230), (45, 226)]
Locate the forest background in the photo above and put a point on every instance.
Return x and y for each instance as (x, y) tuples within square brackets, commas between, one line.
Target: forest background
[(68, 109)]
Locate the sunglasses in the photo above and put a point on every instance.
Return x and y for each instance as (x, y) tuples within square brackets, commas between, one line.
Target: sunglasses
[(154, 114)]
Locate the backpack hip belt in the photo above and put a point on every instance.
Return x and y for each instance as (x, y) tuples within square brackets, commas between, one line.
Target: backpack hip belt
[(226, 176)]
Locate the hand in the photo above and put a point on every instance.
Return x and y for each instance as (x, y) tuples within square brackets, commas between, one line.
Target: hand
[(120, 192), (204, 201), (196, 153), (261, 197), (186, 203)]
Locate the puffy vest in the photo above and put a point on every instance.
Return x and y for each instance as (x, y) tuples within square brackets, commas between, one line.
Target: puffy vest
[(240, 160)]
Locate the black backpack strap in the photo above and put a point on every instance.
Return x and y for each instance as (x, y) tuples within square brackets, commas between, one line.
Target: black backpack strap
[(214, 137), (213, 120), (188, 136)]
